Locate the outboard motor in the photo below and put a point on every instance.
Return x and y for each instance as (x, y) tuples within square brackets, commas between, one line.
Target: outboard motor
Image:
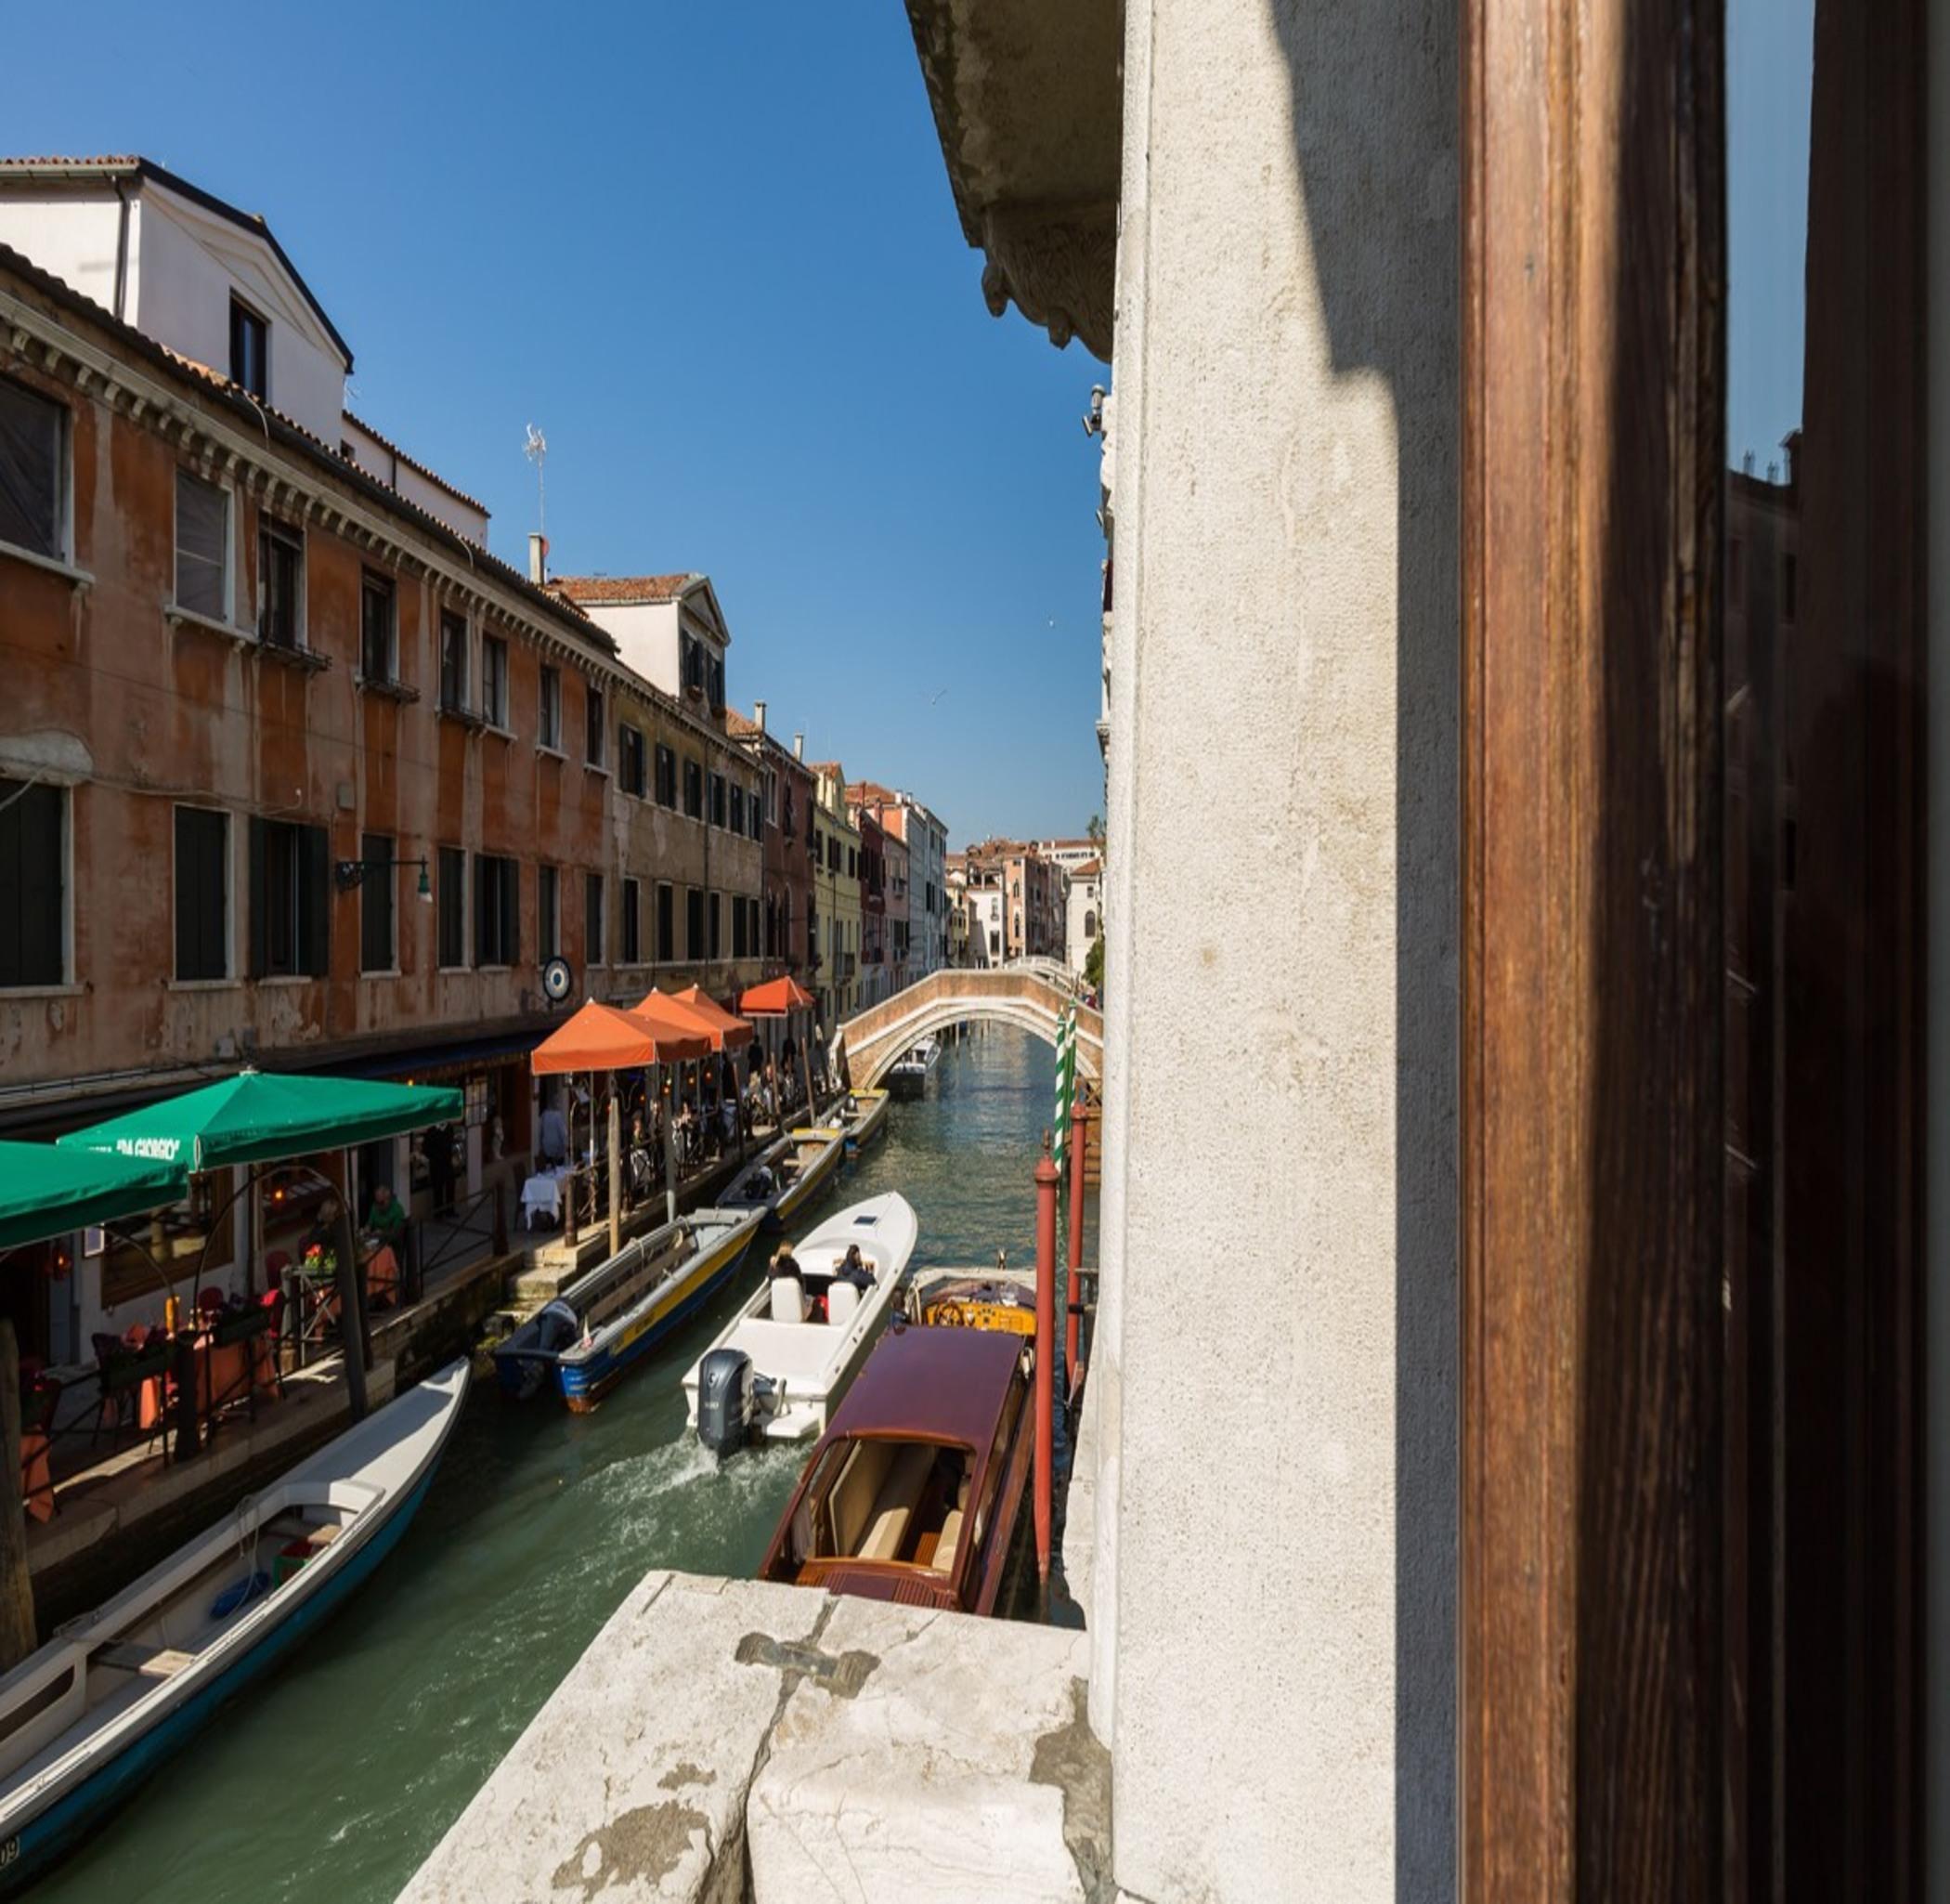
[(725, 1400)]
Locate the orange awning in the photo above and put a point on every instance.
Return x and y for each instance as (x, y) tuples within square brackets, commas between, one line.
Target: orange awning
[(728, 1022), (601, 1037), (680, 1019), (775, 998)]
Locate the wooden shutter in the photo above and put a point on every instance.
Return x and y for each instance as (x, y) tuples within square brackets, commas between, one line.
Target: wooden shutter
[(484, 913), (260, 895), (315, 900), (511, 912)]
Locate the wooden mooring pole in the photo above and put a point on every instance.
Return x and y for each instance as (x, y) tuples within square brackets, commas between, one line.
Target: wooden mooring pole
[(1046, 1350), (1072, 1304), (16, 1623)]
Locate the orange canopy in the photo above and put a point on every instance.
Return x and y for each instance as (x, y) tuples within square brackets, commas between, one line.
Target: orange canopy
[(775, 998), (601, 1037), (664, 1007), (728, 1022)]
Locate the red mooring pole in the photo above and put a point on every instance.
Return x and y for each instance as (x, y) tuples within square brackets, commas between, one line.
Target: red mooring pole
[(1073, 1326), (1046, 1350)]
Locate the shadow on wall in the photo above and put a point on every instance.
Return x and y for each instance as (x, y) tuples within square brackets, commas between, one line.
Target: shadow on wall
[(1374, 92)]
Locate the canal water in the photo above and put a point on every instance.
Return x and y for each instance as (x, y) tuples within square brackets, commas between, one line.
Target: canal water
[(334, 1778)]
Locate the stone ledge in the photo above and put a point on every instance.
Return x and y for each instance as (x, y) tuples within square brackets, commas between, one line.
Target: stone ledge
[(729, 1739)]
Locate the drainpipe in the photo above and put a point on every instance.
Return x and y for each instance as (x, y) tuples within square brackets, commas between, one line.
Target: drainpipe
[(122, 252)]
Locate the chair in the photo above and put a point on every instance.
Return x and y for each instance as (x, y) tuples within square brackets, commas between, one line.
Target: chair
[(107, 1348), (788, 1299), (842, 1302), (209, 1303)]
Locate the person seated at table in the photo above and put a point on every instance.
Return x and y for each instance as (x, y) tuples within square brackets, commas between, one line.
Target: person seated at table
[(388, 1218), (324, 1232)]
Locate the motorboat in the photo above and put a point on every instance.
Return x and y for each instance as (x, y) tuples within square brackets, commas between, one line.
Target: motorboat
[(787, 1355), (915, 1491), (908, 1077), (585, 1340), (117, 1694), (786, 1175), (862, 1116)]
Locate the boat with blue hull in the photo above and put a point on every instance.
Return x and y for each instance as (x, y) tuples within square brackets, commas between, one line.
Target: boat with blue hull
[(114, 1696), (586, 1340)]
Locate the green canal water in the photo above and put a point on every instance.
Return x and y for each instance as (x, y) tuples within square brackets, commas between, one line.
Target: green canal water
[(334, 1778)]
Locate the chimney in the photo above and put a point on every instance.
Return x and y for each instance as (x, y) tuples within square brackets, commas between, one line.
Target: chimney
[(758, 714), (799, 747), (537, 559)]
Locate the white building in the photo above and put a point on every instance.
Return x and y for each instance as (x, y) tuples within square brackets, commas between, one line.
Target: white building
[(1084, 918), (668, 628), (212, 284)]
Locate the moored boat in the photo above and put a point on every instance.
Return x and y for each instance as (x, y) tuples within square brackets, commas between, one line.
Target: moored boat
[(587, 1339), (786, 1175), (915, 1491), (113, 1695), (908, 1076), (785, 1358), (862, 1116)]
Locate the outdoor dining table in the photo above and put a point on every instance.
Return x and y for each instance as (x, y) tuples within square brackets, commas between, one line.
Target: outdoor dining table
[(542, 1195), (226, 1372)]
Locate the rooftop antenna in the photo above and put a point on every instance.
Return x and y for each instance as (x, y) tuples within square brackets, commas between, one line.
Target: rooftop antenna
[(537, 451)]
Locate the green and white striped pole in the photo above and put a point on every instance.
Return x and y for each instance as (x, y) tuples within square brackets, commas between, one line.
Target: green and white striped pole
[(1065, 1082)]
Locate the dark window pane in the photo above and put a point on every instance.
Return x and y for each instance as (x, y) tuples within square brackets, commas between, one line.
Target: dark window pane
[(692, 923), (280, 571), (593, 943), (453, 907), (666, 925), (202, 894), (31, 503), (375, 905), (547, 912), (32, 874), (453, 661), (375, 654), (250, 352)]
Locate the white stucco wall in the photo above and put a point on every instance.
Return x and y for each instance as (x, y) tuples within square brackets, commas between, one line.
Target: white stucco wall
[(1274, 1598), (645, 636), (378, 459), (75, 237)]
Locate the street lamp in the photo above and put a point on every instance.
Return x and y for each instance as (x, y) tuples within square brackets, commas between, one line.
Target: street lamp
[(351, 874)]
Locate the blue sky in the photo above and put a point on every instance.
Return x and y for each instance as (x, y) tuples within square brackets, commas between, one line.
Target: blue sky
[(711, 252)]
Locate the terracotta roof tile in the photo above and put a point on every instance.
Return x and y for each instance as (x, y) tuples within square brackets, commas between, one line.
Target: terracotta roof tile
[(624, 590), (738, 728)]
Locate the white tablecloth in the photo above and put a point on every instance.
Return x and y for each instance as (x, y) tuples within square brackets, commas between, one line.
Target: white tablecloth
[(542, 1195)]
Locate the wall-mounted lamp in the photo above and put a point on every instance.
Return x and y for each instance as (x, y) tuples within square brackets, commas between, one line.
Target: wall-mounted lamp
[(352, 873)]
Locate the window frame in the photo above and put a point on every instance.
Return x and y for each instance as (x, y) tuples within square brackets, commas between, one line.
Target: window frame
[(630, 947), (452, 621), (310, 918), (666, 756), (595, 727), (665, 923), (595, 925), (548, 911), (548, 708), (62, 553), (376, 881), (273, 530), (446, 860), (18, 793), (227, 559), (506, 921), (497, 717), (372, 584), (250, 314), (630, 768)]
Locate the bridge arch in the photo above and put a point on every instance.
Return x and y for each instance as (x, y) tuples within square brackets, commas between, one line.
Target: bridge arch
[(1034, 1002)]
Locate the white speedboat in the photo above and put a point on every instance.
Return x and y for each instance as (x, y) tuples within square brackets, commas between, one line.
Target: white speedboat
[(117, 1694), (786, 1175), (787, 1355), (908, 1078)]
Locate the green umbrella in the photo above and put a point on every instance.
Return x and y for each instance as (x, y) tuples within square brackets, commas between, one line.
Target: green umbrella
[(46, 1192), (258, 1116)]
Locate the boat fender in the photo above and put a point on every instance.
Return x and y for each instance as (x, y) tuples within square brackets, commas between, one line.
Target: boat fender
[(725, 1397)]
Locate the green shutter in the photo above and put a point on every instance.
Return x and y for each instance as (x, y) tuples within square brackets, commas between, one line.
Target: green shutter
[(314, 901)]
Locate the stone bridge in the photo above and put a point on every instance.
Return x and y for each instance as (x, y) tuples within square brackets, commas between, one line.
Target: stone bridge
[(1032, 997)]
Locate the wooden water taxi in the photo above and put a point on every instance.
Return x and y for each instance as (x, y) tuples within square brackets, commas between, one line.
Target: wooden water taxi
[(586, 1340), (786, 1175), (862, 1116), (787, 1357), (913, 1492), (115, 1695)]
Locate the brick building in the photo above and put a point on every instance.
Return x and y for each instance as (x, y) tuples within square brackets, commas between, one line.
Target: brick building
[(789, 793)]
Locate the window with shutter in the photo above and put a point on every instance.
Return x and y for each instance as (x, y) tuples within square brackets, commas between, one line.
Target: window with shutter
[(378, 651), (280, 574), (547, 912), (375, 905), (595, 729), (33, 434), (33, 855), (692, 923), (203, 547), (594, 947), (632, 922), (202, 856), (453, 661), (666, 925), (452, 900)]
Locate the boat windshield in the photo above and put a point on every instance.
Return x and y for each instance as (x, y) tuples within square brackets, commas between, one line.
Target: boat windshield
[(875, 1498)]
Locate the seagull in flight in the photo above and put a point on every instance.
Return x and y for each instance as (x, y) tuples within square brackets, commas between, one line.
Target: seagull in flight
[(939, 692)]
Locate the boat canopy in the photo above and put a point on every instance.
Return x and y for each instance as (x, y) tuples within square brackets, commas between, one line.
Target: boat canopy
[(775, 998), (259, 1116), (605, 1037), (934, 1384), (46, 1191)]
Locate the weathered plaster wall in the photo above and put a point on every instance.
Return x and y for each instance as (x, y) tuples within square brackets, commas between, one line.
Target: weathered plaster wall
[(1274, 1593)]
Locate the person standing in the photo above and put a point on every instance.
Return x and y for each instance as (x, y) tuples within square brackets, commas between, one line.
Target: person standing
[(438, 1143), (551, 1137)]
